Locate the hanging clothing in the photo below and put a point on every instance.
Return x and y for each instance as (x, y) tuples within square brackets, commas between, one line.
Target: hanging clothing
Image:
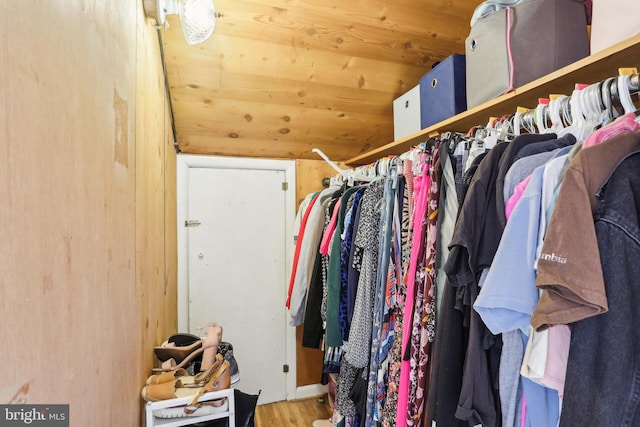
[(368, 239), (301, 218), (385, 229), (425, 315), (447, 286), (603, 359), (569, 275), (313, 321), (451, 335), (523, 142), (473, 246), (421, 191), (349, 266), (333, 332), (389, 333), (401, 247), (309, 246)]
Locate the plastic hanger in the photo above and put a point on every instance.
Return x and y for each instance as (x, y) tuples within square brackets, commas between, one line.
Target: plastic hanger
[(518, 122), (592, 107), (490, 140), (578, 122), (565, 111), (555, 108), (523, 121), (541, 115), (350, 174), (624, 92), (506, 128), (605, 90), (528, 122)]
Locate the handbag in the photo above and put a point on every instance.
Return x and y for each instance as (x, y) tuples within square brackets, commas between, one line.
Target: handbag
[(516, 45)]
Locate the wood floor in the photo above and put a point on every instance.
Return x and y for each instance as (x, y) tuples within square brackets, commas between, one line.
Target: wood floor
[(295, 413)]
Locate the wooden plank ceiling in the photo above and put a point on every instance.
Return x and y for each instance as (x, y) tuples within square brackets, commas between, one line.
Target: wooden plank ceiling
[(278, 78)]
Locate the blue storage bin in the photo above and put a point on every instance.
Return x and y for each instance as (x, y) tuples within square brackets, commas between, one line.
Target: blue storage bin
[(443, 91)]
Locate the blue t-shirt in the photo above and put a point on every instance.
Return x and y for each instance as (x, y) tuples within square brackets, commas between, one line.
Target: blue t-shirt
[(509, 294)]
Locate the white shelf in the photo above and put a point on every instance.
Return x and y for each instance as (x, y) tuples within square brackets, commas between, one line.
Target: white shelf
[(591, 69)]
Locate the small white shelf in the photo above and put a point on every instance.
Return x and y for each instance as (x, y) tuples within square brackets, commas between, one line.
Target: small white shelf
[(229, 412)]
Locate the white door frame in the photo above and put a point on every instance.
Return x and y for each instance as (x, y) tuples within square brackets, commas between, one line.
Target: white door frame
[(186, 161)]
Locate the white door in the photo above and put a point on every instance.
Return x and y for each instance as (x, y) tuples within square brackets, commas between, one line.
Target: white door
[(238, 268)]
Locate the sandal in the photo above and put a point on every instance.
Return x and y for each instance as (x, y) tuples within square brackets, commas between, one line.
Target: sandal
[(212, 343), (171, 365), (186, 380), (208, 351), (182, 339), (219, 380), (170, 350), (166, 377), (166, 390), (202, 378)]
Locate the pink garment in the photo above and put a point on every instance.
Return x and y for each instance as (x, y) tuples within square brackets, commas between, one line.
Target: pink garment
[(625, 123), (517, 194), (421, 190), (557, 356), (331, 228)]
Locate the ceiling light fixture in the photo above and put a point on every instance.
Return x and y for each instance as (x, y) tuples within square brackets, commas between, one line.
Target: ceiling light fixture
[(198, 17)]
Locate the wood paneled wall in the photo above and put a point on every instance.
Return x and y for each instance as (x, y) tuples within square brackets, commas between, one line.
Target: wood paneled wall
[(156, 234), (86, 188)]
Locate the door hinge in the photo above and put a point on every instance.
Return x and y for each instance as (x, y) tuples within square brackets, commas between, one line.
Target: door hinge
[(191, 223), (285, 186), (285, 368)]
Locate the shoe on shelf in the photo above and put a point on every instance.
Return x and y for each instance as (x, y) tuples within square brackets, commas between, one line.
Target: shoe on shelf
[(211, 343), (166, 377), (226, 349), (217, 378), (182, 339), (204, 349), (170, 350), (220, 380)]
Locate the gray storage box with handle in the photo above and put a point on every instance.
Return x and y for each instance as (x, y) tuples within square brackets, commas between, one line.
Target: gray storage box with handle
[(516, 45)]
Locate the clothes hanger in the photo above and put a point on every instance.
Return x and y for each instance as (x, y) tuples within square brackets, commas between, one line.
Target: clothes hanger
[(565, 110), (605, 89), (577, 126), (517, 123), (555, 117), (541, 115), (592, 106), (336, 180), (634, 86), (505, 129), (350, 174), (624, 92), (490, 138), (530, 121), (620, 92)]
